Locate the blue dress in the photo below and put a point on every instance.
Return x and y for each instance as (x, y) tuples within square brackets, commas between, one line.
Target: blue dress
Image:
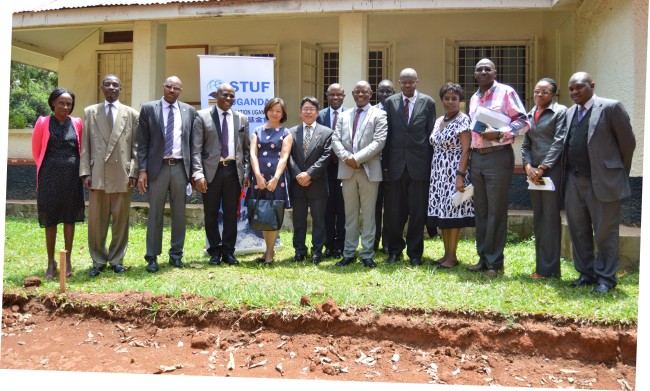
[(269, 147)]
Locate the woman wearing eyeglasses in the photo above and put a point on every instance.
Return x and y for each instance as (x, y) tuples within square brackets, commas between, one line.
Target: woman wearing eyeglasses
[(541, 151)]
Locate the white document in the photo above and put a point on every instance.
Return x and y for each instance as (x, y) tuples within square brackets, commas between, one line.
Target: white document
[(548, 184), (459, 197), (484, 117)]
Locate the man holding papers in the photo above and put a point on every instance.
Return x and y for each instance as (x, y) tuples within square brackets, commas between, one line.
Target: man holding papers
[(598, 149), (492, 162)]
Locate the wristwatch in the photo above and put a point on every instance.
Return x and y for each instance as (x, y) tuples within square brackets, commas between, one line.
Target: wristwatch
[(463, 174)]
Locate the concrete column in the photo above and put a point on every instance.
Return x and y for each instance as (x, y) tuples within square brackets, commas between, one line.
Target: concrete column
[(149, 59), (353, 52)]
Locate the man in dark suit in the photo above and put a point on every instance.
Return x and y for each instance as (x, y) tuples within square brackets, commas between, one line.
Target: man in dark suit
[(406, 161), (385, 88), (164, 163), (109, 169), (335, 214), (310, 155), (359, 137), (220, 167), (598, 156)]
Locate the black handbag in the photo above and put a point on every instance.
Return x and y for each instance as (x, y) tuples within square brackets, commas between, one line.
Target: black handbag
[(265, 215)]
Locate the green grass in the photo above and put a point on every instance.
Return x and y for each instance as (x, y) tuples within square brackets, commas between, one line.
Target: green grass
[(281, 286)]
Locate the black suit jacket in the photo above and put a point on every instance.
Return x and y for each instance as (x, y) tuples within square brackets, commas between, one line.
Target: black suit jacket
[(314, 164), (407, 145), (151, 137)]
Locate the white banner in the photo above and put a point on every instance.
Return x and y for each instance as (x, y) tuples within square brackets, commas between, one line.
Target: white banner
[(252, 79)]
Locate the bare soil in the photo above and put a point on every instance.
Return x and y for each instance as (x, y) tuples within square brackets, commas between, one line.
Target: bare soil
[(135, 332)]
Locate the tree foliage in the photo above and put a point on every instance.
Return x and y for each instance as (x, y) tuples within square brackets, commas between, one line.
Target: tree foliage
[(30, 88)]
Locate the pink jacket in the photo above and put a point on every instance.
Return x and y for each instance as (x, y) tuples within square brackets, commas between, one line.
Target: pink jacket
[(41, 136)]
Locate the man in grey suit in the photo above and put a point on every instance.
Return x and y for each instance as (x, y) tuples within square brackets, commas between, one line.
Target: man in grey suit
[(164, 163), (310, 155), (359, 137), (406, 161), (220, 167), (598, 154), (335, 214), (109, 170)]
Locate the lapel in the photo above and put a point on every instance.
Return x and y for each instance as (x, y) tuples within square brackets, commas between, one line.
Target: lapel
[(102, 123), (118, 128), (400, 110), (158, 109), (362, 126), (419, 104), (214, 113), (315, 135), (596, 111)]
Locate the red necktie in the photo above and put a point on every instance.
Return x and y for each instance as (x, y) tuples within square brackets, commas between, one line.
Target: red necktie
[(406, 109), (354, 124), (336, 118)]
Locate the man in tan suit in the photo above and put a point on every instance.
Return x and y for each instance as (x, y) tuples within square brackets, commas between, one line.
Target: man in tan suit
[(109, 169)]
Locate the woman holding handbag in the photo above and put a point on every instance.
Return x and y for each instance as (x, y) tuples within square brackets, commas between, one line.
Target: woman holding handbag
[(270, 147)]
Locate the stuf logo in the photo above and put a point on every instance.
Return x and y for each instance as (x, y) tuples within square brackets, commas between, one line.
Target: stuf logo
[(212, 87)]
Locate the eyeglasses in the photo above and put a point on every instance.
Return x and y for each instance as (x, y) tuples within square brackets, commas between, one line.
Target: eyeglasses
[(172, 88), (362, 92), (228, 96), (308, 109), (336, 95), (541, 92)]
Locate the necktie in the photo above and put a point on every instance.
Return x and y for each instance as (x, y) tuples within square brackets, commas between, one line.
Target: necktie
[(406, 109), (224, 135), (336, 118), (109, 116), (169, 132), (581, 112), (354, 124), (306, 139)]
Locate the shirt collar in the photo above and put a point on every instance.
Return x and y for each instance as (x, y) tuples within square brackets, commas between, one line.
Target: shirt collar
[(489, 91), (313, 125), (589, 103), (365, 108), (116, 104), (411, 99), (166, 104)]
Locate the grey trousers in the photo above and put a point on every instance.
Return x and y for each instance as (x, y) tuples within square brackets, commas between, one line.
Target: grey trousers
[(360, 195), (102, 207), (547, 226), (170, 179)]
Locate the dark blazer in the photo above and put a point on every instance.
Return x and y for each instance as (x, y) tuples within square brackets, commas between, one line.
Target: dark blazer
[(544, 141), (611, 143), (151, 138), (206, 144), (407, 145), (324, 117), (316, 161)]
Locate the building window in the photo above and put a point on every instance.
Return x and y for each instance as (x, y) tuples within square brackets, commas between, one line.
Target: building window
[(512, 63), (330, 71), (117, 36), (119, 63)]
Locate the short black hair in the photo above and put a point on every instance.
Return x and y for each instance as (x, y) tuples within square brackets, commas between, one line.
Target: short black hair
[(58, 92), (552, 82), (311, 100), (272, 102), (453, 88)]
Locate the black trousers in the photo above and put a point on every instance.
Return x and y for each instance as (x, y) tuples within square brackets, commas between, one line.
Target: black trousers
[(222, 192)]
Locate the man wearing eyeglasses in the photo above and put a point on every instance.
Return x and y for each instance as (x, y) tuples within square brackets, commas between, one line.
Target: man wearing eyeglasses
[(109, 168), (406, 163), (164, 164), (310, 155), (491, 166), (220, 167)]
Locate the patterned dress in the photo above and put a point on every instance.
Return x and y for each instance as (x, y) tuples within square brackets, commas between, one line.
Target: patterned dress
[(269, 147), (60, 197), (447, 150)]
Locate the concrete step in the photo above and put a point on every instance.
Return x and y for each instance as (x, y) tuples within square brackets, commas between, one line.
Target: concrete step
[(520, 223)]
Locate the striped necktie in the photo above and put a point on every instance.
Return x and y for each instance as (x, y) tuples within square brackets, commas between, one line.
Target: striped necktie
[(169, 132)]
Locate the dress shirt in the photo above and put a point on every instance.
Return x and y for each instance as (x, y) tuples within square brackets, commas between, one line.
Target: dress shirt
[(380, 105), (231, 132), (362, 116), (339, 111), (178, 128), (503, 99), (411, 103), (116, 106), (589, 103)]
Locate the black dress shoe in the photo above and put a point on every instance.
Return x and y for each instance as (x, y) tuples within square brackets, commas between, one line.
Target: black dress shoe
[(345, 261), (393, 258), (299, 257), (368, 262), (580, 281), (215, 260), (118, 268), (229, 259), (327, 253), (477, 267), (152, 267), (337, 252), (317, 258), (601, 288), (176, 263), (415, 262), (95, 270)]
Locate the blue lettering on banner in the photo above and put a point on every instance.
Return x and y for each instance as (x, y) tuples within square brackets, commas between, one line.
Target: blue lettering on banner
[(250, 86)]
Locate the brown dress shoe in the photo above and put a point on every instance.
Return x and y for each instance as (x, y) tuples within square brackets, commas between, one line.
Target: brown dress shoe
[(477, 267)]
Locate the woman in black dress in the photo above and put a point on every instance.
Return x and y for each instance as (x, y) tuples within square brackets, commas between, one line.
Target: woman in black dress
[(55, 147)]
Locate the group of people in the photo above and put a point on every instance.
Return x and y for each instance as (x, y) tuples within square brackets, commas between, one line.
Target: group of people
[(348, 168)]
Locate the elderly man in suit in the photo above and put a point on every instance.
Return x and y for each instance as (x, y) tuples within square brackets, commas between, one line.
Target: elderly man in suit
[(359, 137), (164, 163), (406, 161), (598, 157), (109, 170), (335, 214), (310, 155), (220, 167)]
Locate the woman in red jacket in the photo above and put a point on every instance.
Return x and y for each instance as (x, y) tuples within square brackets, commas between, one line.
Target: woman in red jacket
[(56, 143)]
